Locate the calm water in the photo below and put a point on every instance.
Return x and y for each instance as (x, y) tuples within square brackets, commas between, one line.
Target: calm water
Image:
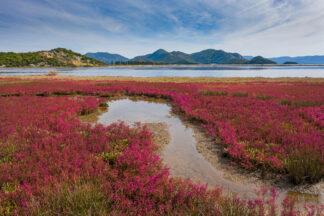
[(189, 71), (180, 155)]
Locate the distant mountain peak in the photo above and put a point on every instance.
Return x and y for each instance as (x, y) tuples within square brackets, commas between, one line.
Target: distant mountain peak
[(161, 51), (107, 57)]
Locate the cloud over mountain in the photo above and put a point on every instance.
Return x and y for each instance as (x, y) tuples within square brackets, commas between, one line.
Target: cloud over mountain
[(265, 27)]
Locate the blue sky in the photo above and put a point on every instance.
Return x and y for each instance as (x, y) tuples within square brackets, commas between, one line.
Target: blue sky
[(134, 27)]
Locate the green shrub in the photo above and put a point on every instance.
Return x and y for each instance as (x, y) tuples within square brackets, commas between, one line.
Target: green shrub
[(212, 93), (104, 84), (7, 205), (240, 94), (285, 102), (300, 103), (262, 97), (103, 104), (307, 103), (117, 149)]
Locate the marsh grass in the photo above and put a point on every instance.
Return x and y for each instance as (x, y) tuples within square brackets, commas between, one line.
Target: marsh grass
[(304, 196), (78, 198), (212, 92), (305, 166), (15, 82), (263, 97), (104, 84), (286, 102), (93, 116), (7, 149), (7, 206)]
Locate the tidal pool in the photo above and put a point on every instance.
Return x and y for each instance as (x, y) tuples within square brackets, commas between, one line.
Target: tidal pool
[(180, 155)]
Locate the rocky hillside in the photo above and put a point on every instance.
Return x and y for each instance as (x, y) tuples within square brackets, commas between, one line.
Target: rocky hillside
[(58, 57)]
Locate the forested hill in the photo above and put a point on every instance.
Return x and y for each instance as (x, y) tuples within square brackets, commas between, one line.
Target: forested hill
[(59, 57), (107, 58)]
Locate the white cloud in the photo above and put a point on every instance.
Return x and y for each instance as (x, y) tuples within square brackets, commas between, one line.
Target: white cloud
[(266, 27), (301, 33)]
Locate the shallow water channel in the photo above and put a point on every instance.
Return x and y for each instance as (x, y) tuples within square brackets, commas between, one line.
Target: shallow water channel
[(180, 155)]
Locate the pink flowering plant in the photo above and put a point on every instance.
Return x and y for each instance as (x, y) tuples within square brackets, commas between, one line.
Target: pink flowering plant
[(51, 163)]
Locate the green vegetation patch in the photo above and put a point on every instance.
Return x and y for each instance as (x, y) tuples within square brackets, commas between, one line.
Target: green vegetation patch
[(240, 94), (79, 198), (286, 102), (59, 57), (212, 92), (262, 97), (305, 166)]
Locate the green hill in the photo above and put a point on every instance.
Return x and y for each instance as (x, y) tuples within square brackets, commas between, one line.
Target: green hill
[(107, 58), (211, 56), (59, 57), (260, 60)]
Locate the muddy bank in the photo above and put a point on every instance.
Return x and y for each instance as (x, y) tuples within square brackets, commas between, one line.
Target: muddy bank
[(211, 149), (161, 135)]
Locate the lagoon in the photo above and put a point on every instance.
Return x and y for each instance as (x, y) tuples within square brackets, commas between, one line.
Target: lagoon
[(178, 71)]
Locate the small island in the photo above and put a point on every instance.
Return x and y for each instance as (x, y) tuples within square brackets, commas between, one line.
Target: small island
[(290, 62)]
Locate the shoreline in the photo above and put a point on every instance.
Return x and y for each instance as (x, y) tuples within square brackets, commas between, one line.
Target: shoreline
[(179, 66)]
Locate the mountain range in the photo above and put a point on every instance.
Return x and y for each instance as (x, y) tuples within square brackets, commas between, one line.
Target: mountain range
[(106, 57), (67, 58), (300, 59), (161, 56)]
